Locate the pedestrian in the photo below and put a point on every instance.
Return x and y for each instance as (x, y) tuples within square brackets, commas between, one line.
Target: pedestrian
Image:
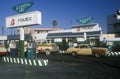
[(70, 44), (75, 44), (104, 44)]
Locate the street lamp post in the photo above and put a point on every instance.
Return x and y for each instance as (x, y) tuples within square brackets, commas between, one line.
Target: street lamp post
[(2, 30)]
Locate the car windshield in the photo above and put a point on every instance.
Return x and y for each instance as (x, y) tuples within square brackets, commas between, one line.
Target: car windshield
[(89, 46), (77, 47), (85, 46)]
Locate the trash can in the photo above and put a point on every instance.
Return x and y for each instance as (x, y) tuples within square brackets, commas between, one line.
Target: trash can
[(13, 52), (110, 48), (31, 53)]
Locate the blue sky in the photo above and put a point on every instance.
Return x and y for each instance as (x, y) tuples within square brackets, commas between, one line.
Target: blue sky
[(66, 12)]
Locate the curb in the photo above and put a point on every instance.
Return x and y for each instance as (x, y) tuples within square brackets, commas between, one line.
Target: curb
[(62, 51), (26, 61), (113, 54)]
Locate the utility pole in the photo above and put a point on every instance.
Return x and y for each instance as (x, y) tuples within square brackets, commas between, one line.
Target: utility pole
[(11, 31), (2, 30)]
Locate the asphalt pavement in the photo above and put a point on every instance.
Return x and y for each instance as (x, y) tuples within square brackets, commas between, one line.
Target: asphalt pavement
[(62, 66)]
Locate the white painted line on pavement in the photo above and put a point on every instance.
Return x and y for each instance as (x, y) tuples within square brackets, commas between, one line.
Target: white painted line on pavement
[(14, 60), (11, 60), (39, 62), (45, 61), (4, 59), (30, 62), (22, 61), (18, 60), (34, 62), (7, 59), (26, 62)]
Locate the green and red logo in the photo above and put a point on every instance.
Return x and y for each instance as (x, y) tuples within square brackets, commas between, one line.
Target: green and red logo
[(78, 29), (12, 22)]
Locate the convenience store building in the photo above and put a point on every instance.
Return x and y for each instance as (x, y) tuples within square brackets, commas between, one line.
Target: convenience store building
[(89, 33)]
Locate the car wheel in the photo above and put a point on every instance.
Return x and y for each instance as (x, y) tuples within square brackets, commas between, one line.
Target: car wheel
[(74, 54), (47, 52), (97, 55)]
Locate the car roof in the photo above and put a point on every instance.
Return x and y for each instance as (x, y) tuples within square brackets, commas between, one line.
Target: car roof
[(83, 44)]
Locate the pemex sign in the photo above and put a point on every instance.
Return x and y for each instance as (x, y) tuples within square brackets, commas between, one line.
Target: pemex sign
[(25, 19), (22, 8), (84, 20)]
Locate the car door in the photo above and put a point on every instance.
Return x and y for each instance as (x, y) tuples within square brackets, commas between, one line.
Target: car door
[(85, 50), (77, 49)]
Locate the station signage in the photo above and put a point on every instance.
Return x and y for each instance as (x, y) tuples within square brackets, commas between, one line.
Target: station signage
[(84, 20), (85, 28), (22, 8), (23, 20)]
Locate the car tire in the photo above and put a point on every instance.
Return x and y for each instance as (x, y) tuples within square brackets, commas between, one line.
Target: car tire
[(47, 52), (98, 55), (74, 54)]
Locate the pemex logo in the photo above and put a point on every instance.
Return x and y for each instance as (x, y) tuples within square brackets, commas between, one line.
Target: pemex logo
[(78, 29), (12, 22)]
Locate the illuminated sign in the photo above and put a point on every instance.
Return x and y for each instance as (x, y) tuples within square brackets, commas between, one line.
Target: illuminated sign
[(84, 20), (26, 19), (21, 8)]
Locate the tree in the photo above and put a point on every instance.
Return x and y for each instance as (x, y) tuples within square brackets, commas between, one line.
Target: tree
[(54, 23)]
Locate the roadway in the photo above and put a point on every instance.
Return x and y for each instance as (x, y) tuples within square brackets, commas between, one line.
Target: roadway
[(63, 66)]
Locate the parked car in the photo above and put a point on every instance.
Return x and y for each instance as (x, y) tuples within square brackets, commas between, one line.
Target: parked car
[(47, 48), (3, 50), (86, 49)]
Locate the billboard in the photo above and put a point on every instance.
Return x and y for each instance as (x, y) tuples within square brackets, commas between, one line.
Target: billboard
[(22, 20)]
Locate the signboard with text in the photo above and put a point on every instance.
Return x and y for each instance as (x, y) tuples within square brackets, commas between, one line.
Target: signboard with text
[(86, 28), (21, 8), (22, 20), (84, 20)]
